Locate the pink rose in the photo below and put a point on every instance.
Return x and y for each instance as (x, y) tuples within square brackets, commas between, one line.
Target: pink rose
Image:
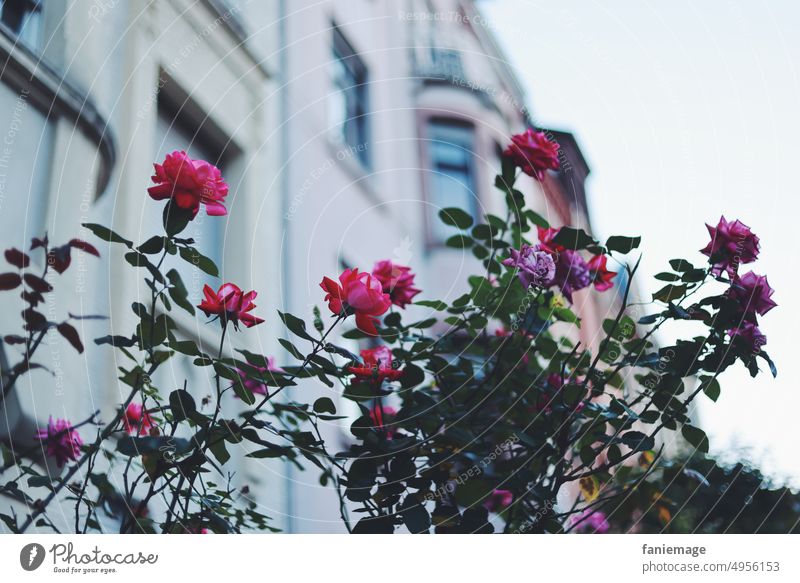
[(397, 281), (230, 304), (189, 183), (498, 500), (357, 293), (533, 153), (136, 420), (254, 385), (732, 243), (753, 293), (600, 274), (62, 441)]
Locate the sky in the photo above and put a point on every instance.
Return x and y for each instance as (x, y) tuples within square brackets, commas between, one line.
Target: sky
[(685, 110)]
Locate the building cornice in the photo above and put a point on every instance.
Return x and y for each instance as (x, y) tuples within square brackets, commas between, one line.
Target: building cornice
[(25, 71)]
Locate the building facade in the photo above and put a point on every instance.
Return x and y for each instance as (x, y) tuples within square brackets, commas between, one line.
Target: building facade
[(343, 129)]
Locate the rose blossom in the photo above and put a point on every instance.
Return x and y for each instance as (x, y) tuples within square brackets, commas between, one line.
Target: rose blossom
[(753, 293), (397, 281), (546, 236), (601, 275), (357, 293), (536, 268), (498, 500), (137, 420), (731, 243), (230, 304), (381, 415), (377, 365), (533, 153), (591, 521), (749, 334), (572, 273), (62, 441), (254, 385), (189, 183)]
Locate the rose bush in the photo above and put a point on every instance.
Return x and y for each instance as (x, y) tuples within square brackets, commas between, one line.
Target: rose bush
[(487, 415)]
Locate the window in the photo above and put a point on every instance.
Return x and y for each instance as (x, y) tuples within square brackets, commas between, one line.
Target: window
[(23, 18), (452, 173), (349, 113)]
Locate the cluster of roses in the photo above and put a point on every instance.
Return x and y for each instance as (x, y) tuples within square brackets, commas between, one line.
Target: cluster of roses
[(548, 264), (733, 243), (190, 184)]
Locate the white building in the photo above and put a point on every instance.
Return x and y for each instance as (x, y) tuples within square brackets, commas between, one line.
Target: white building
[(342, 127)]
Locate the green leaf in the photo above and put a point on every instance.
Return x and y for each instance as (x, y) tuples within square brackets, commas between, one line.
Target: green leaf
[(622, 244), (666, 276), (152, 246), (669, 293), (107, 234), (573, 238), (242, 392), (459, 241), (175, 219), (193, 256), (415, 516), (324, 405), (536, 219), (182, 404), (220, 451), (456, 217), (696, 437), (295, 325), (178, 291), (680, 265), (711, 387)]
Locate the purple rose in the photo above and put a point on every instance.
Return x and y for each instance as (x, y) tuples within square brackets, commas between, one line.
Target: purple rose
[(731, 244), (753, 293), (572, 273), (536, 268), (749, 336)]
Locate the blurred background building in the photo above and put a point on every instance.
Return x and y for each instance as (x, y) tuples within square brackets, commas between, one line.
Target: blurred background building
[(343, 129)]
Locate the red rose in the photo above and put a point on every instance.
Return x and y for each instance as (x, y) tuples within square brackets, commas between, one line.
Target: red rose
[(533, 153), (397, 281), (377, 365), (357, 293), (230, 304), (190, 183)]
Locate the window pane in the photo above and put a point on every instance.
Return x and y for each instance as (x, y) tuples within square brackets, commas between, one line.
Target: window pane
[(452, 174), (347, 102)]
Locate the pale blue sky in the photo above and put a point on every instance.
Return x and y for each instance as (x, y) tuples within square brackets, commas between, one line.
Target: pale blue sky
[(685, 110)]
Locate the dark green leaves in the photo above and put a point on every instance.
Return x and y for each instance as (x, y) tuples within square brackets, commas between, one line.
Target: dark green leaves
[(622, 244), (573, 238), (193, 256), (177, 291), (107, 234), (324, 405), (182, 405), (669, 293), (696, 437), (456, 218), (295, 325)]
